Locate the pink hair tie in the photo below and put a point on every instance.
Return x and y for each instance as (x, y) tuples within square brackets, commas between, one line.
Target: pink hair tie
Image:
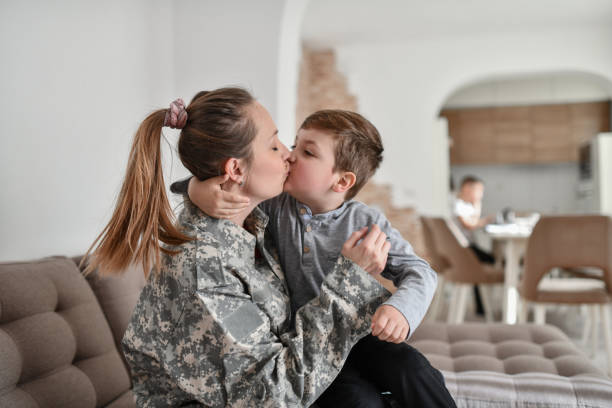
[(176, 115)]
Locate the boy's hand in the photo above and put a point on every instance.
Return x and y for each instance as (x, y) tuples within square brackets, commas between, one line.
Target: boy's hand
[(371, 253), (214, 201), (389, 324)]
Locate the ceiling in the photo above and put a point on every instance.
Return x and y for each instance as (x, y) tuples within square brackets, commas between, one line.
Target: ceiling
[(329, 23)]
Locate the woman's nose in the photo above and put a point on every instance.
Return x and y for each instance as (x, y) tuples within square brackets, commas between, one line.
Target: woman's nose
[(285, 152)]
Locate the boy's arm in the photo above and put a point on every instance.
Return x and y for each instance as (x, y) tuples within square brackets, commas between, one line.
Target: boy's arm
[(415, 280)]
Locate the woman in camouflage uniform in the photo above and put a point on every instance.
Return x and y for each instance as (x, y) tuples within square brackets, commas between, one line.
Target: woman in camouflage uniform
[(213, 325)]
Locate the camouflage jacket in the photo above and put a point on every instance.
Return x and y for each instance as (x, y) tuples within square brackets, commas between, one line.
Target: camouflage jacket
[(214, 328)]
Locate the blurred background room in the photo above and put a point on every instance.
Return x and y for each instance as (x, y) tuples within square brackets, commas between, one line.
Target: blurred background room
[(517, 93)]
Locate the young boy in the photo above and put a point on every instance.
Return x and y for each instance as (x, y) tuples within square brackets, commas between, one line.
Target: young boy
[(335, 154)]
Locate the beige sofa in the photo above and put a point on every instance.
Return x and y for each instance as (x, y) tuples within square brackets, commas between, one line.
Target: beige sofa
[(59, 337)]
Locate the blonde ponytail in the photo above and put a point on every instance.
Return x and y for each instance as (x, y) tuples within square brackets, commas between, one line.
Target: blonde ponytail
[(142, 217)]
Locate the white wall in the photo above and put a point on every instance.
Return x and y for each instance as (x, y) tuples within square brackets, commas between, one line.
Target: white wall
[(221, 43), (543, 188), (76, 79), (402, 86), (228, 43), (552, 88), (440, 171), (289, 56)]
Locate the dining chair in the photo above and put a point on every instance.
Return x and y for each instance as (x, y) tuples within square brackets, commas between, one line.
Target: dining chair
[(438, 263), (463, 270), (570, 242)]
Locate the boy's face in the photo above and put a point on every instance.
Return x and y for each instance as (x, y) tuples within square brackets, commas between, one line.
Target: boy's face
[(312, 161), (472, 192)]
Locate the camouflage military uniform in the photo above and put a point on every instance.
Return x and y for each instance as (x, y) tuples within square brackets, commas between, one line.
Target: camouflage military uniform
[(214, 328)]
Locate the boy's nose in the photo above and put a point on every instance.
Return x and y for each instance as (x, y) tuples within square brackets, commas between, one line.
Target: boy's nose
[(285, 152)]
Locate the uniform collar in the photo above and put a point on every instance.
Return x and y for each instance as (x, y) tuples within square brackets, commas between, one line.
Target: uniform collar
[(254, 224)]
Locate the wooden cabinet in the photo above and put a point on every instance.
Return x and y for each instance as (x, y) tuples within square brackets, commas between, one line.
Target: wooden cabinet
[(512, 135), (550, 131), (524, 134), (588, 119)]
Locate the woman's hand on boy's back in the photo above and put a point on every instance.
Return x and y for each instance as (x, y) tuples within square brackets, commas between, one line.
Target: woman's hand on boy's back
[(209, 197), (368, 249)]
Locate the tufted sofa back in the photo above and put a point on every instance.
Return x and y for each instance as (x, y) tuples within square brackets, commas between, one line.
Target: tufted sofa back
[(56, 346), (117, 296)]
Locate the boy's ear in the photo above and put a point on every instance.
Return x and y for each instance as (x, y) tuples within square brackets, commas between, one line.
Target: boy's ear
[(235, 169), (346, 180)]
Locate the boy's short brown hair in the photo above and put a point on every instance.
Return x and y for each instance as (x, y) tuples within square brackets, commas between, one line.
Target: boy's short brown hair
[(470, 180), (358, 144)]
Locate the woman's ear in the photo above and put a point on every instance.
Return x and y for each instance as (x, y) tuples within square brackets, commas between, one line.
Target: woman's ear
[(235, 169), (346, 180)]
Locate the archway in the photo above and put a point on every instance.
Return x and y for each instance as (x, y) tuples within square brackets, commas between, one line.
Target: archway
[(521, 134)]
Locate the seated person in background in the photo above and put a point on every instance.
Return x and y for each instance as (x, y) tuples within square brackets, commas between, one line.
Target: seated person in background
[(336, 152), (466, 211)]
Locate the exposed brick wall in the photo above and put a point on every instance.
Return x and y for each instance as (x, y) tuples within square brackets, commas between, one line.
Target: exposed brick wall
[(405, 220), (321, 86)]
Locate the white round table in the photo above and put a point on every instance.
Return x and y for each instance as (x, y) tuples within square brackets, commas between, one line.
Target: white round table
[(514, 238)]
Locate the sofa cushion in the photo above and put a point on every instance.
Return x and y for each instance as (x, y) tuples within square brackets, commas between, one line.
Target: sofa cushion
[(498, 365), (117, 296), (125, 400), (56, 348)]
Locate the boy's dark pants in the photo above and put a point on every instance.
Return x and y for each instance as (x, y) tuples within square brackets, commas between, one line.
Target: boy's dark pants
[(484, 257), (374, 366)]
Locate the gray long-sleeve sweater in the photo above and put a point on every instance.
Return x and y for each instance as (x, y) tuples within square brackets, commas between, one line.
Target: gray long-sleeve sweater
[(309, 245)]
